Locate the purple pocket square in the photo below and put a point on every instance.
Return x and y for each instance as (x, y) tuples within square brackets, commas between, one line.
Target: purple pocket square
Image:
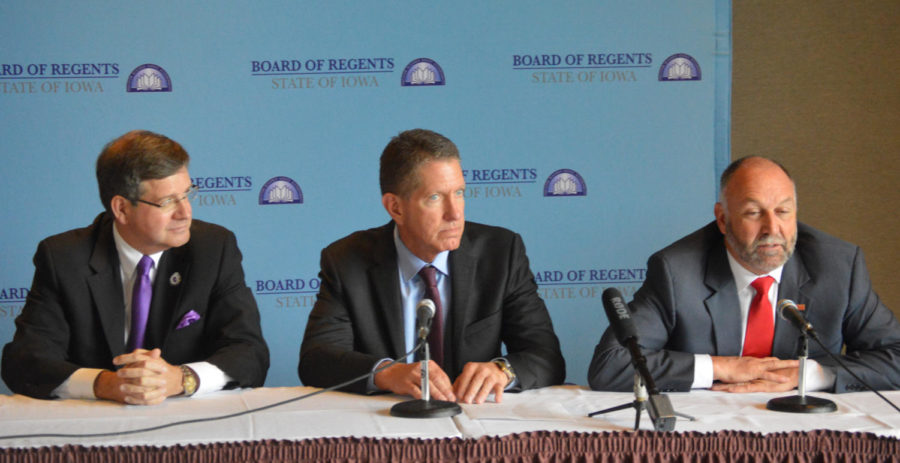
[(188, 319)]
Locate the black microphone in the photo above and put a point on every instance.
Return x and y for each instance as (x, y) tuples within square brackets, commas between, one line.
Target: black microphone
[(619, 316), (800, 403), (424, 314), (660, 409), (425, 407), (788, 310)]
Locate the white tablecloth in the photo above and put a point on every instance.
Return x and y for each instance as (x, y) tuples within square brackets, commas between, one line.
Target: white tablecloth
[(336, 414)]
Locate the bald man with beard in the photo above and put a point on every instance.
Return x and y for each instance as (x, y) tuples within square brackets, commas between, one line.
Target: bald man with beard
[(693, 311)]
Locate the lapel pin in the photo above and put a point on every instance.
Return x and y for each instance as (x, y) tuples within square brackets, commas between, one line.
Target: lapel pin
[(175, 279)]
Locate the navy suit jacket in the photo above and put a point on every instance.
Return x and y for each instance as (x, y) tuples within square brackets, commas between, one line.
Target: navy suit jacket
[(688, 305), (357, 319), (74, 315)]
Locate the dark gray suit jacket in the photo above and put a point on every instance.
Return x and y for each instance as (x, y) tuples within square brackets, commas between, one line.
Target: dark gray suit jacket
[(688, 305), (357, 319), (74, 315)]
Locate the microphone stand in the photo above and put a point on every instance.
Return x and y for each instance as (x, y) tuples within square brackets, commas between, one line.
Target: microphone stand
[(659, 403), (425, 407), (802, 403)]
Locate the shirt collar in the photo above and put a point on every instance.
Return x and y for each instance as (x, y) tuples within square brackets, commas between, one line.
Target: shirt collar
[(410, 264), (129, 256), (743, 277)]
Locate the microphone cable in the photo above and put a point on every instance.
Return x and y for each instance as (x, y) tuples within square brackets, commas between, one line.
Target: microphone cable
[(796, 318), (840, 362), (221, 417)]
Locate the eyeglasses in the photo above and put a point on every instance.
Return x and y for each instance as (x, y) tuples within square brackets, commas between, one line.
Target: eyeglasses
[(168, 204)]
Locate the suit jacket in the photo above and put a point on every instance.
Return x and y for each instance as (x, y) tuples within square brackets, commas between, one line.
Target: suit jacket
[(357, 319), (688, 305), (74, 315)]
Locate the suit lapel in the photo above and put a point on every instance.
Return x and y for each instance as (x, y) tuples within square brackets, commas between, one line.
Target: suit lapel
[(722, 305), (386, 286), (106, 287), (793, 277), (462, 280), (164, 307)]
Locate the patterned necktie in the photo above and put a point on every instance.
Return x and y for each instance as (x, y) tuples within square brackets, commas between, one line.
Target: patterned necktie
[(140, 303), (436, 337), (760, 321)]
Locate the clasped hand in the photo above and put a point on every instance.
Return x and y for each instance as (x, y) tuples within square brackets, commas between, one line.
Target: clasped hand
[(751, 374), (143, 379), (473, 385)]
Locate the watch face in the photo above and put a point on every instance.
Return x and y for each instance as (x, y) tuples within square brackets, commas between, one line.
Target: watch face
[(189, 381)]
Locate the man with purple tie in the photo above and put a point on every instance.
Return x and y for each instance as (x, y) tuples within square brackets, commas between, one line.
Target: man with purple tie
[(143, 304), (477, 276)]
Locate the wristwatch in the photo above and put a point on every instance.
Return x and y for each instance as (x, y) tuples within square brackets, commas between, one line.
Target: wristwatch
[(189, 380), (506, 368)]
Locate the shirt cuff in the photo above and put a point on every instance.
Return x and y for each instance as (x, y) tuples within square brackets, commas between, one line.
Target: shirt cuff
[(818, 378), (79, 385), (703, 371), (370, 384), (210, 377)]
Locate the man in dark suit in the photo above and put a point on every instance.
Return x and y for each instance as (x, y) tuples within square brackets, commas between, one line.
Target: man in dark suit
[(695, 312), (143, 304), (485, 291)]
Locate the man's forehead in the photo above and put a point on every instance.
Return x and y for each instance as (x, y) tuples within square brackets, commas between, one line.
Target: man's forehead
[(751, 200)]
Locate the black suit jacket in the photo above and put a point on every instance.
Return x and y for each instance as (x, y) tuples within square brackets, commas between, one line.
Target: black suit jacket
[(688, 305), (74, 315), (357, 319)]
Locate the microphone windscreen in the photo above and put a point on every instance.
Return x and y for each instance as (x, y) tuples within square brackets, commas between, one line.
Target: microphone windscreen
[(619, 315)]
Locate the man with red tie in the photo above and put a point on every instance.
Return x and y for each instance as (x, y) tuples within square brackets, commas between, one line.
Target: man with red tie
[(143, 304), (478, 276), (705, 315)]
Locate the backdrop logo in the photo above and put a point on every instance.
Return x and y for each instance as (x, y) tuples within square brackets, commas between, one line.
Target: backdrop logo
[(565, 182), (149, 78), (679, 67), (280, 190), (422, 71)]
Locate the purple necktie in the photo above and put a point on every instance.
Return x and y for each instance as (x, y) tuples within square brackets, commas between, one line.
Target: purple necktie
[(436, 338), (140, 303)]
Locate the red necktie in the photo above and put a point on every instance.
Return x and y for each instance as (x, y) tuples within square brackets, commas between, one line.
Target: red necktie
[(436, 338), (760, 321)]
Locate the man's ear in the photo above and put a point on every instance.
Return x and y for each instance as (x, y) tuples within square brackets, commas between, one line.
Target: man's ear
[(391, 203), (719, 211), (120, 208)]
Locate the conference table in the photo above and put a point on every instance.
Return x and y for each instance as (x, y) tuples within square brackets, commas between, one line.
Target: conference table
[(549, 424)]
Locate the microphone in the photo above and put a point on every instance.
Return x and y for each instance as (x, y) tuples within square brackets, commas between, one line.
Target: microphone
[(424, 314), (788, 310), (660, 409), (619, 316), (800, 403), (425, 407)]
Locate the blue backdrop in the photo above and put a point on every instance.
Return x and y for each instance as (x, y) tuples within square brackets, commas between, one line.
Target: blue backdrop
[(596, 129)]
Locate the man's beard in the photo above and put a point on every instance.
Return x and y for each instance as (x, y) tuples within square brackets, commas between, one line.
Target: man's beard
[(750, 253)]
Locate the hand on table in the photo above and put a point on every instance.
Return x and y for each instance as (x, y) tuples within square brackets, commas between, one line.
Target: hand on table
[(144, 378)]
